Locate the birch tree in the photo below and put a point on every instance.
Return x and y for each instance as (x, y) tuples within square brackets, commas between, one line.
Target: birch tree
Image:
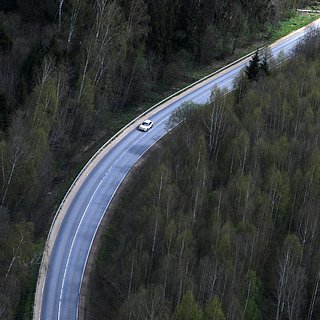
[(75, 11), (63, 120), (108, 38), (216, 122), (60, 5), (288, 267), (43, 77), (12, 156), (314, 296)]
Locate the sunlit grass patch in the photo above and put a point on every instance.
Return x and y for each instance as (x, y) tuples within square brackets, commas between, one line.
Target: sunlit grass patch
[(296, 22)]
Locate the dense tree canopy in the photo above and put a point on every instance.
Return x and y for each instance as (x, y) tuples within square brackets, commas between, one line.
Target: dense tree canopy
[(68, 70), (226, 221)]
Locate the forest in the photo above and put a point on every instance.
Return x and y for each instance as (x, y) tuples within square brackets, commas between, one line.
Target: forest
[(222, 221), (69, 69)]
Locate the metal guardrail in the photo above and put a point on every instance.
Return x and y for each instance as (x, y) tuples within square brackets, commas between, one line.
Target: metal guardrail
[(47, 252), (138, 118), (308, 11)]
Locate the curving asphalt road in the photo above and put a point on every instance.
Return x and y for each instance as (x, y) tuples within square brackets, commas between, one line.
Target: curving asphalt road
[(60, 294)]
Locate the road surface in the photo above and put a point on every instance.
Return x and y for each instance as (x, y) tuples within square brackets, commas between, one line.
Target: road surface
[(59, 294)]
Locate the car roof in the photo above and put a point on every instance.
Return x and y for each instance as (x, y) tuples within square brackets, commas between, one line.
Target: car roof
[(147, 121)]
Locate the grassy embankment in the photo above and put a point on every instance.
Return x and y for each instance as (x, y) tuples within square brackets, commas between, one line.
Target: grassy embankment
[(297, 21)]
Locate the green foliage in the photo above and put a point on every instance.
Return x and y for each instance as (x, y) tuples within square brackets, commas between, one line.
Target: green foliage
[(292, 243), (32, 62), (295, 22), (164, 18), (86, 101), (252, 70), (255, 306), (257, 67), (70, 77), (169, 73), (225, 242), (8, 5), (188, 309), (25, 308), (36, 10), (212, 45), (4, 113), (253, 311), (225, 226), (193, 20), (264, 66), (5, 41), (213, 310)]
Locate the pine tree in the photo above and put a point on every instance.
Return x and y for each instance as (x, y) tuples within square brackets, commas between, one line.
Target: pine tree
[(252, 70), (264, 66), (257, 67)]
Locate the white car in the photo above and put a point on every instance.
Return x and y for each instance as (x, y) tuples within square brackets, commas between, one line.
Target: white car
[(146, 125)]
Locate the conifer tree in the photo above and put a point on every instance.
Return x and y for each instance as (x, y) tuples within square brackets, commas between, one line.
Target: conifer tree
[(264, 66), (252, 70)]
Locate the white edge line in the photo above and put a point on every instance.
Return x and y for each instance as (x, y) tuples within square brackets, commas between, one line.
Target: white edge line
[(72, 245), (112, 196), (42, 266), (104, 212), (85, 212), (110, 200)]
